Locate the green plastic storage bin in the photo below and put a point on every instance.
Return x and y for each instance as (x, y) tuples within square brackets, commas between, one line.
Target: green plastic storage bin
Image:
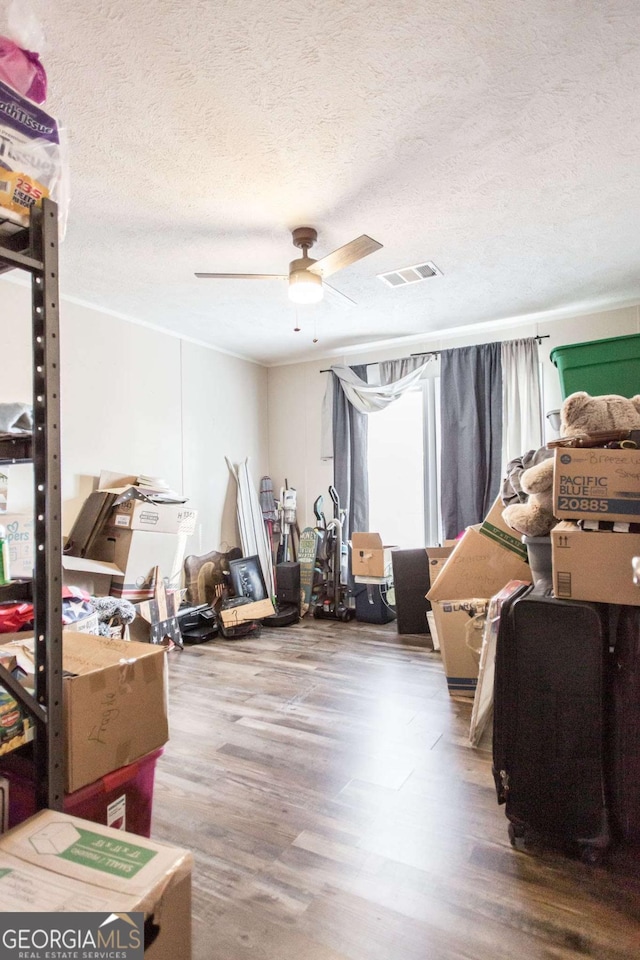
[(600, 366)]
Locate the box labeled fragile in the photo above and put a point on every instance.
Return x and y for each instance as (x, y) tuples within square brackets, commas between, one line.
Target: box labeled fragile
[(594, 564), (596, 483), (369, 557), (114, 703)]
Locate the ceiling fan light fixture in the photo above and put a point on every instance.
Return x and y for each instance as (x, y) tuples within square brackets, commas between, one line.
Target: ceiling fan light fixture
[(304, 287)]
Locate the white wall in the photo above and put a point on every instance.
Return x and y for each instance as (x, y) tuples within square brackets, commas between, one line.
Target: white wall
[(140, 401), (296, 391)]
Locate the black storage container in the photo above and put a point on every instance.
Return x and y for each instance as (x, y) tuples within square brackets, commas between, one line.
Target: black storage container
[(373, 603), (411, 583)]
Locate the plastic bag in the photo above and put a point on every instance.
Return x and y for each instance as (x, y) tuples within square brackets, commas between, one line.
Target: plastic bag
[(20, 65), (32, 159)]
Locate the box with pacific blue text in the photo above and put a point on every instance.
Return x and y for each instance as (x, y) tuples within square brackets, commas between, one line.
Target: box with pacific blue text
[(591, 483)]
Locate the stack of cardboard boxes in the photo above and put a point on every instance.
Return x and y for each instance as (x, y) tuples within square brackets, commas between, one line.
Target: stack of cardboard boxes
[(121, 536), (115, 717), (597, 498), (487, 556)]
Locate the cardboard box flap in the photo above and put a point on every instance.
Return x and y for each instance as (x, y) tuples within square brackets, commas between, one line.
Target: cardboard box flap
[(124, 494), (95, 854), (477, 566), (86, 653), (83, 655), (496, 529), (84, 565), (366, 541)]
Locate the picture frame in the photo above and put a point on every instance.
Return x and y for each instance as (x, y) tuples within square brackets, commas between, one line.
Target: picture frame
[(247, 579)]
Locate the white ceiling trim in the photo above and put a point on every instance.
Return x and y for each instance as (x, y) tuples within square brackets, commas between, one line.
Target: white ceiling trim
[(548, 316)]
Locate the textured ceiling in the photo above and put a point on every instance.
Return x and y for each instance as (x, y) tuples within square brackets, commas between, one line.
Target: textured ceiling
[(498, 139)]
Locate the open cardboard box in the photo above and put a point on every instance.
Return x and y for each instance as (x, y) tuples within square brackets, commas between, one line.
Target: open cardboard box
[(437, 557), (486, 557), (369, 558), (58, 864), (114, 703)]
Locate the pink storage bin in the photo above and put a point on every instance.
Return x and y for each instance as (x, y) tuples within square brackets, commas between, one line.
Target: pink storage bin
[(122, 799)]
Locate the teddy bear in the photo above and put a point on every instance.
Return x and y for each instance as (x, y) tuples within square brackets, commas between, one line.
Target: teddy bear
[(580, 414)]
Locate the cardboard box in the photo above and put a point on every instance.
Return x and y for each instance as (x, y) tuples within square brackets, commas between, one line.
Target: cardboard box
[(94, 576), (494, 528), (88, 524), (115, 703), (437, 557), (248, 611), (454, 620), (57, 864), (137, 553), (369, 558), (596, 484), (140, 514), (594, 564), (20, 538), (479, 566)]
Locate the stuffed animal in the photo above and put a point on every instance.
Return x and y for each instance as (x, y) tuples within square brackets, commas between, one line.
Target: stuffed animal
[(580, 414)]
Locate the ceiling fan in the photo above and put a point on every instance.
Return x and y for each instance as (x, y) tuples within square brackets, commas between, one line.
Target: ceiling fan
[(307, 276)]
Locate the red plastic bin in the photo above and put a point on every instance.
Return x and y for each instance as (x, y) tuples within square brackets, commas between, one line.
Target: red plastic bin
[(122, 799)]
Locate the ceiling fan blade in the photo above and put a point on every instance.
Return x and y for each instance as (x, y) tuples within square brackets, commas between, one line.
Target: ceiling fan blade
[(242, 276), (345, 256), (338, 295)]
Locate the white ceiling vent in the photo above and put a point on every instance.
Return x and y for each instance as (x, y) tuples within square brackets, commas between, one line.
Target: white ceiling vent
[(414, 274)]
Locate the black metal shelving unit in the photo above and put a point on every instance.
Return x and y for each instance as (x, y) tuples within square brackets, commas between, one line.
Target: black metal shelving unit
[(34, 249)]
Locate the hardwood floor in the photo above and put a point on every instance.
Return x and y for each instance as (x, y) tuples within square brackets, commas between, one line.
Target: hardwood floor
[(321, 775)]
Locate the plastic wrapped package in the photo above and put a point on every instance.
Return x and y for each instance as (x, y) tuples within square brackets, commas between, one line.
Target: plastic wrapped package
[(32, 162), (20, 36)]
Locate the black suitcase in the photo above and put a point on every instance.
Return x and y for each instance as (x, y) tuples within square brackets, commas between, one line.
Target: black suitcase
[(548, 737)]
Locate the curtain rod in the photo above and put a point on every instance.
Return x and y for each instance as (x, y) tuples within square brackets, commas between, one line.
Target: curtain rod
[(374, 363), (436, 353)]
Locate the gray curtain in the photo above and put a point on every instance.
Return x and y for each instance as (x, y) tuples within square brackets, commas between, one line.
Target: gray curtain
[(471, 431), (350, 476)]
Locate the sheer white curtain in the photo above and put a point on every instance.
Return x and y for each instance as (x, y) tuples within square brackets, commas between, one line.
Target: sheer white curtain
[(397, 377), (521, 399)]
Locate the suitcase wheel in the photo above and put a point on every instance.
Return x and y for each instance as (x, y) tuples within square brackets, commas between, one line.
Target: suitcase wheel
[(516, 833)]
